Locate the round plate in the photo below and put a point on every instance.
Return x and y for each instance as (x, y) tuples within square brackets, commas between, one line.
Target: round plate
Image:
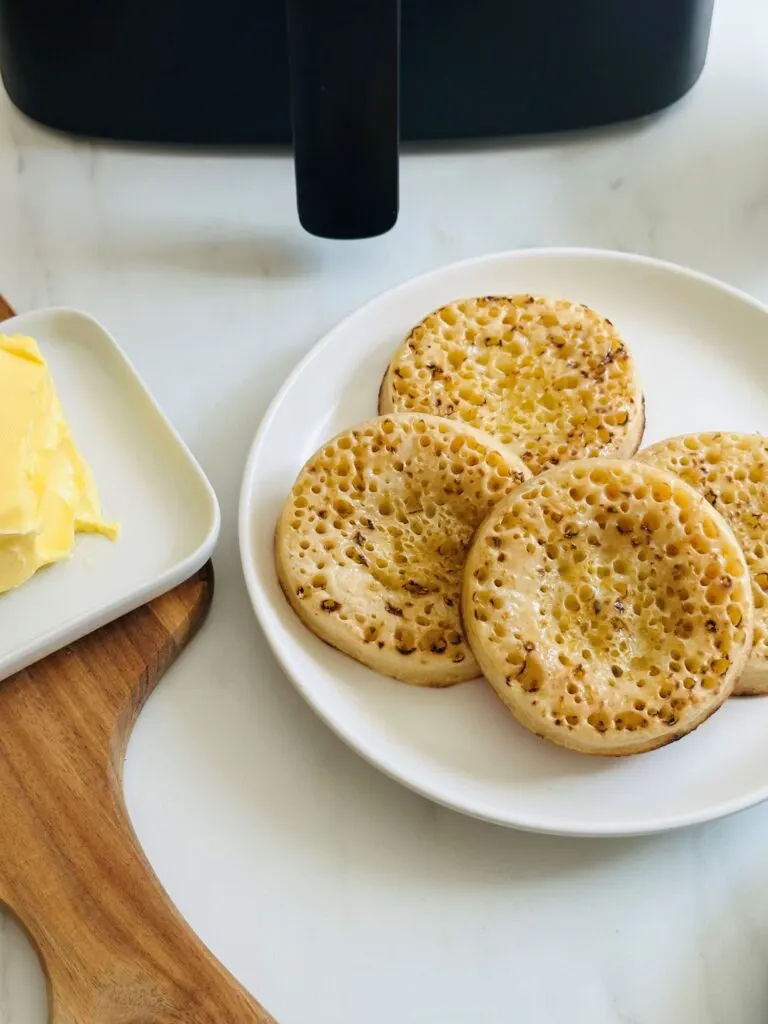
[(702, 353)]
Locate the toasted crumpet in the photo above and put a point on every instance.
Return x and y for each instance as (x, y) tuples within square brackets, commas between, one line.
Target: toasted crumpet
[(550, 378), (731, 471), (371, 542), (609, 605)]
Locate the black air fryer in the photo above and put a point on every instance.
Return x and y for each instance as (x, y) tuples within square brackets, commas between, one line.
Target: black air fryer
[(326, 73)]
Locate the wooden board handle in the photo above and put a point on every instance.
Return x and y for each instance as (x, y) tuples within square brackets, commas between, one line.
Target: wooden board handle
[(113, 947)]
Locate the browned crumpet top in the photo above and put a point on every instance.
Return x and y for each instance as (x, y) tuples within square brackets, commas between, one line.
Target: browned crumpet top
[(371, 543), (550, 378), (609, 605), (731, 471)]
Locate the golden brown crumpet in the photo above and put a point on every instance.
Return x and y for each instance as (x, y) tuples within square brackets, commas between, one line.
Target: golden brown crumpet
[(550, 378), (609, 605), (371, 543), (731, 471)]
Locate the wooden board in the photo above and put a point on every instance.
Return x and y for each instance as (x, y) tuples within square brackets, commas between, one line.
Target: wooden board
[(113, 947)]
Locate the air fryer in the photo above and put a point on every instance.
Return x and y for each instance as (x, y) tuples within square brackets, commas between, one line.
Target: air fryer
[(345, 79)]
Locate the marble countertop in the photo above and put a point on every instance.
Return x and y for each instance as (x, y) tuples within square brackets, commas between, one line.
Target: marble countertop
[(333, 894)]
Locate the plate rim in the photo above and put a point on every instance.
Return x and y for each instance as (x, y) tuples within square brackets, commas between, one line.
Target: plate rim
[(523, 823), (74, 630)]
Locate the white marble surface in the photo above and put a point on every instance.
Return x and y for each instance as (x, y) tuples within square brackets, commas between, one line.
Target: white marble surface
[(334, 895)]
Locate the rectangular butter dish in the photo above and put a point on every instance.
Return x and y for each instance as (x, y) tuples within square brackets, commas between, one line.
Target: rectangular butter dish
[(147, 479)]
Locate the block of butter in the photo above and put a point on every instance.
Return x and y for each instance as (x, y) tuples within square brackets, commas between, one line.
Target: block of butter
[(47, 491)]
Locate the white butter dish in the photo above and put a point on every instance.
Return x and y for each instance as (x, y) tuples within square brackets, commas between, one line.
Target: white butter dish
[(147, 479)]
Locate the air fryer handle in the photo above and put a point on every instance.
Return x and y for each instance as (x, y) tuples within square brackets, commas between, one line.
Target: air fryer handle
[(344, 60)]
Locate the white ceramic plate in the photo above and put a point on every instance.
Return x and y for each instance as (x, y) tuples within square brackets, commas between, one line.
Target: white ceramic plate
[(147, 480), (702, 352)]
